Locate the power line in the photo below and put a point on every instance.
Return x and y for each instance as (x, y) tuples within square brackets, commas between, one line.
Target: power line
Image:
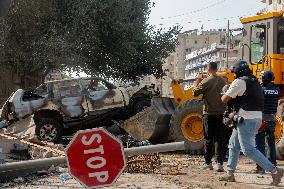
[(197, 10), (216, 19)]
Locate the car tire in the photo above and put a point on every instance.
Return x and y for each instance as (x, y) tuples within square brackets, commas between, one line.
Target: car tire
[(48, 129)]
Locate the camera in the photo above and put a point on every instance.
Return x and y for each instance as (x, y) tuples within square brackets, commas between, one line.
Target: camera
[(231, 119)]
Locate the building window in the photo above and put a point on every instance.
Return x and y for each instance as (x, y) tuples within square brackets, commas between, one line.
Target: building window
[(224, 54), (195, 41), (270, 2), (279, 1), (188, 50)]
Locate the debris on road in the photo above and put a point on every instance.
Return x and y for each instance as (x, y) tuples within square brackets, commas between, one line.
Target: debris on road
[(19, 180), (192, 177), (64, 176), (146, 163), (169, 168)]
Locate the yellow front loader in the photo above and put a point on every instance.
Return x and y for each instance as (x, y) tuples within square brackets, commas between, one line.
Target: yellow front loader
[(177, 119), (181, 118)]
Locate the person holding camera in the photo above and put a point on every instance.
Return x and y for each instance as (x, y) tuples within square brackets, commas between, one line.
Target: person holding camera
[(214, 129), (248, 102), (266, 131)]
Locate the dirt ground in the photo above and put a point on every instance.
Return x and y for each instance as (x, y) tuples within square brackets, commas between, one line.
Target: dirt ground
[(191, 176)]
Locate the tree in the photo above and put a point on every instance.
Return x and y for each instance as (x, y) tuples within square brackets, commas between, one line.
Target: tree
[(28, 22), (111, 39), (120, 43)]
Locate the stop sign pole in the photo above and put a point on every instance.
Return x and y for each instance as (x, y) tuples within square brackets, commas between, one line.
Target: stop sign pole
[(95, 158)]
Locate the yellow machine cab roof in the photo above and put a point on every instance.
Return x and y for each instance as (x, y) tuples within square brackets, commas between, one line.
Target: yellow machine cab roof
[(262, 16)]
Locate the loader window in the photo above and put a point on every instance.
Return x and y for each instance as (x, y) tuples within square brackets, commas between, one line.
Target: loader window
[(258, 48), (280, 44)]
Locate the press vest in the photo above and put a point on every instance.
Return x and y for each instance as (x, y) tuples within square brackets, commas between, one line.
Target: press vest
[(271, 97), (253, 98)]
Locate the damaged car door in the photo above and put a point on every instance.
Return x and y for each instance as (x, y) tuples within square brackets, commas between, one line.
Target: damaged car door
[(104, 100), (68, 95)]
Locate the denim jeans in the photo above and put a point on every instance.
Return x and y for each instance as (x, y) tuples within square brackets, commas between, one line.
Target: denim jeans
[(243, 139)]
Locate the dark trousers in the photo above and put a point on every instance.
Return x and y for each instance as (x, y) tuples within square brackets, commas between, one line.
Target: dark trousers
[(215, 134), (268, 134)]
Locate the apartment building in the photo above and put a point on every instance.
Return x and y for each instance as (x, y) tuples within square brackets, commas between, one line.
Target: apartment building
[(274, 5)]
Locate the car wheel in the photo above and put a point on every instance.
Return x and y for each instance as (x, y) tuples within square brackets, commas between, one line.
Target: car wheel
[(48, 129)]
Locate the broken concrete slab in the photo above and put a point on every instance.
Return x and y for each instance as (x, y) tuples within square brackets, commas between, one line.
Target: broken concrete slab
[(23, 129), (7, 147)]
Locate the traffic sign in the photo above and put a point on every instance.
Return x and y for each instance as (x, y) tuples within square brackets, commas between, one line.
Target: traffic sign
[(95, 158)]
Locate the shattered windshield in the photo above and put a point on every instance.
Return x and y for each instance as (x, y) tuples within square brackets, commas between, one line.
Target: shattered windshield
[(66, 88)]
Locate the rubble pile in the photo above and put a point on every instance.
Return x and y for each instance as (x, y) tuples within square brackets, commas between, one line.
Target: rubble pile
[(22, 129), (149, 163), (18, 142), (153, 164)]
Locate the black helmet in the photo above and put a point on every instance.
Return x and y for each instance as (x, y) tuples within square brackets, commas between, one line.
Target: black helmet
[(241, 68), (267, 76)]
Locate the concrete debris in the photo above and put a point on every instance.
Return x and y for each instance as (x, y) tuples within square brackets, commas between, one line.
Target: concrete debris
[(35, 153), (61, 170), (52, 169), (23, 129), (20, 152), (57, 169), (19, 180), (169, 168), (48, 154), (6, 185), (13, 149), (38, 152)]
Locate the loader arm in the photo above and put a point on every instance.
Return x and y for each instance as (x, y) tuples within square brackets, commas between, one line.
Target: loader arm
[(181, 95)]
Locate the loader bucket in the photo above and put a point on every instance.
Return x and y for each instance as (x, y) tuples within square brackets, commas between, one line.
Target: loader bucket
[(153, 123)]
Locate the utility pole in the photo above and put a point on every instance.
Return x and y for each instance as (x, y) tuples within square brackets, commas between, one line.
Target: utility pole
[(228, 43)]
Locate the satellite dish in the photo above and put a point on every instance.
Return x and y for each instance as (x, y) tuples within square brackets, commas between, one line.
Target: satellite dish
[(4, 7)]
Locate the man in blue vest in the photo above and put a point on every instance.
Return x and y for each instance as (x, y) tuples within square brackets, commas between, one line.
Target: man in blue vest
[(266, 131)]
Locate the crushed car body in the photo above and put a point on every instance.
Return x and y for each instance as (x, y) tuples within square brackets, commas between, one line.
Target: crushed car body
[(65, 106)]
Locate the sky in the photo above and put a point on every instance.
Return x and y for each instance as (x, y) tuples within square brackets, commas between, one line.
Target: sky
[(192, 14)]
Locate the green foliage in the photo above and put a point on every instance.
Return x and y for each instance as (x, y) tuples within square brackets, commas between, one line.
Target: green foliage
[(111, 39)]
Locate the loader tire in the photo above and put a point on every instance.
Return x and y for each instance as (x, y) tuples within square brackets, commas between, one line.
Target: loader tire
[(186, 125)]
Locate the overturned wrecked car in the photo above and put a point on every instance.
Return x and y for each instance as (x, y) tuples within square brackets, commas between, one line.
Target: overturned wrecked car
[(63, 107)]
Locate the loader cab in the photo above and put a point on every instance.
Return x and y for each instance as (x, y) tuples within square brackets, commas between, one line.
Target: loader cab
[(263, 48), (263, 44)]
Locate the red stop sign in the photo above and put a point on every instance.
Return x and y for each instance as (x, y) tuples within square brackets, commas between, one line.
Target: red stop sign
[(95, 158)]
